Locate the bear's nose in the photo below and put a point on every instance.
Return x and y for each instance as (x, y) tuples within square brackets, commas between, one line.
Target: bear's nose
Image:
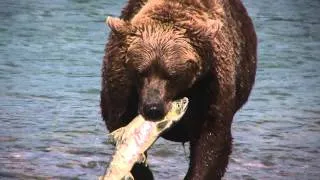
[(153, 111)]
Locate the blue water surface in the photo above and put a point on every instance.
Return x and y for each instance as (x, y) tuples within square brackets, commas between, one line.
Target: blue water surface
[(50, 123)]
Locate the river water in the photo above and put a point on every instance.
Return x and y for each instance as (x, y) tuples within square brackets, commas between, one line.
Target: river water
[(50, 124)]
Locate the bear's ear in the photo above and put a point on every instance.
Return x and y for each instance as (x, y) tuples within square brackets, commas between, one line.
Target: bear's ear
[(208, 29), (212, 28), (203, 30), (118, 26)]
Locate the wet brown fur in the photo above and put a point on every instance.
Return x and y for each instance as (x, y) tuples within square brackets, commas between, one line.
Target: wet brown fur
[(202, 49)]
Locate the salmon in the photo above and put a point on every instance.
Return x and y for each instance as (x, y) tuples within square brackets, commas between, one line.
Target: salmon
[(133, 140)]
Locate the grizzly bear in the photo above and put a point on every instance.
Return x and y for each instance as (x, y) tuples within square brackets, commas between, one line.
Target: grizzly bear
[(161, 50)]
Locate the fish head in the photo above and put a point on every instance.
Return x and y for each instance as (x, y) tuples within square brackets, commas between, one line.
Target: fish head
[(178, 109)]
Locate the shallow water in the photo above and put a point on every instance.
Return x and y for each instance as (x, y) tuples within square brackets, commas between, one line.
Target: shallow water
[(50, 58)]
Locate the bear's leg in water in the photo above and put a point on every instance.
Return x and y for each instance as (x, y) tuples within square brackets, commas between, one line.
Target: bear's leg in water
[(210, 151)]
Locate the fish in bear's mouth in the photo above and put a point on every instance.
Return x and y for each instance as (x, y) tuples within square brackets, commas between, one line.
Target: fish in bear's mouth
[(133, 140)]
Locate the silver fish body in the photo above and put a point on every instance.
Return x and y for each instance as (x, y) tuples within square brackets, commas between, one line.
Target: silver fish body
[(133, 140)]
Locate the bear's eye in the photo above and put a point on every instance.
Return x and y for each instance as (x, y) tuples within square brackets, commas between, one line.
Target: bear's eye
[(188, 68), (192, 65), (142, 72), (176, 76)]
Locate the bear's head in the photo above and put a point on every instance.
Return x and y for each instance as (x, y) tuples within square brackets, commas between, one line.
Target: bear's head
[(162, 60)]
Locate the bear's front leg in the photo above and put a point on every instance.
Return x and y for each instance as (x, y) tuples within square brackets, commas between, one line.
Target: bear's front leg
[(141, 171), (209, 153)]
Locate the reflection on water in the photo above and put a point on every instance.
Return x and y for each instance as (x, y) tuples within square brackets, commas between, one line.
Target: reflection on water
[(50, 57)]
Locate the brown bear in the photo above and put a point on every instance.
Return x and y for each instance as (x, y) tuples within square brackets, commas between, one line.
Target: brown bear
[(161, 50)]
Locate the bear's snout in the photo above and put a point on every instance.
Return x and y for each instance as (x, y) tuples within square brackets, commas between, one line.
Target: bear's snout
[(152, 104), (153, 111)]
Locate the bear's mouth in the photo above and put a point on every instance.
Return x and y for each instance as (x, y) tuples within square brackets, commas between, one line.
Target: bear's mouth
[(154, 111)]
